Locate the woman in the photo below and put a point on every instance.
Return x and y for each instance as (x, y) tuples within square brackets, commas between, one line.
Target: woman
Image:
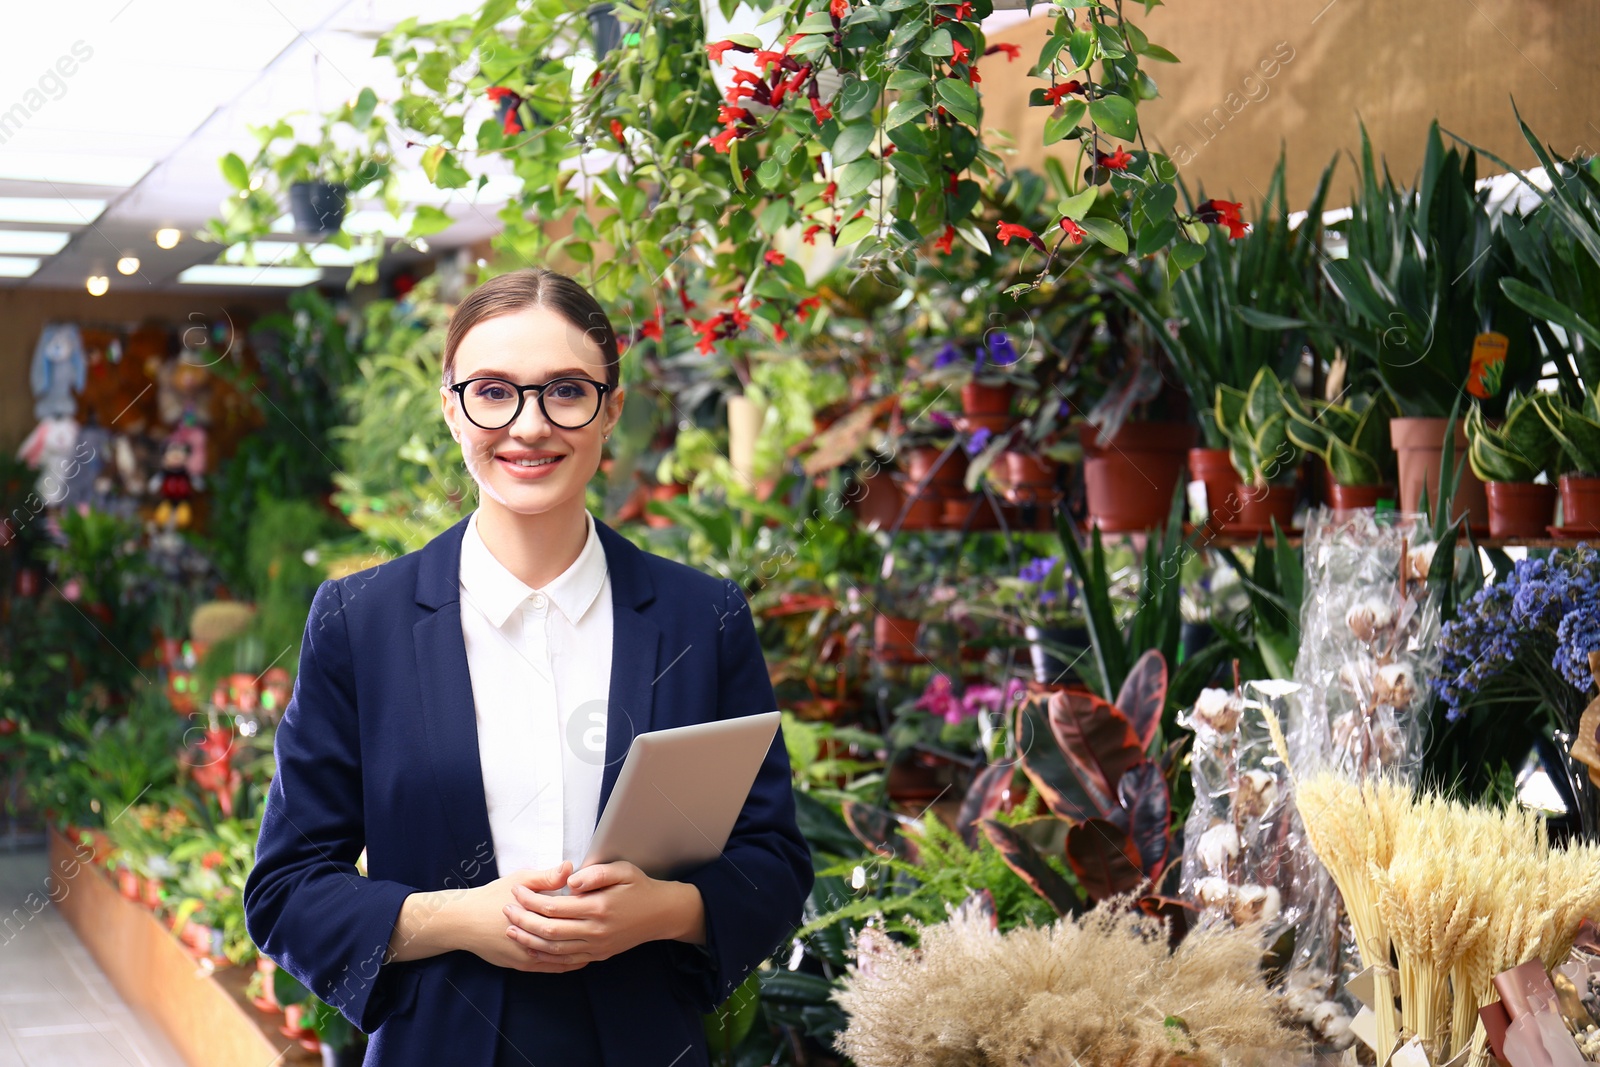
[(461, 713)]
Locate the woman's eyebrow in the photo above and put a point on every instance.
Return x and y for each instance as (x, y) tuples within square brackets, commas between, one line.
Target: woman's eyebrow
[(565, 372)]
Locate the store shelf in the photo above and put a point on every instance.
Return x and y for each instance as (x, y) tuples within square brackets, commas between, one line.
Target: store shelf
[(205, 1016)]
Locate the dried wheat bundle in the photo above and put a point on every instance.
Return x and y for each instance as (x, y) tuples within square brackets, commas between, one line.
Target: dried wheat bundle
[(1100, 991)]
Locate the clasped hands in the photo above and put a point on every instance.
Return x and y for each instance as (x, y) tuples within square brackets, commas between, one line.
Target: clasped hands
[(609, 908)]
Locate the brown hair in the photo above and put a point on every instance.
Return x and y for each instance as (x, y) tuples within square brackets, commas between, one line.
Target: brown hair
[(533, 287)]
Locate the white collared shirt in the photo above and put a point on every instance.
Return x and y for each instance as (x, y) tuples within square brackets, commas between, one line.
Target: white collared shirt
[(540, 662)]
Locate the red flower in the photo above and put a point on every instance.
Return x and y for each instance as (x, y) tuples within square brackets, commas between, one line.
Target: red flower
[(803, 309), (810, 234), (1055, 93), (732, 116), (616, 131), (211, 860), (888, 150), (1013, 52), (1224, 213), (765, 59), (739, 317), (775, 258), (777, 94), (717, 49), (1117, 160), (1075, 233), (972, 75), (827, 194), (820, 111), (839, 8), (946, 243), (651, 329), (779, 333), (794, 39), (498, 93), (742, 76), (508, 102), (963, 10), (721, 141), (961, 52), (1008, 230)]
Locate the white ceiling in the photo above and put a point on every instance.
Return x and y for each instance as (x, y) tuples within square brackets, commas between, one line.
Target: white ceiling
[(159, 91)]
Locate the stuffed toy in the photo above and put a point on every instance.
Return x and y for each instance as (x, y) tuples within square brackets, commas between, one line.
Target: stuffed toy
[(58, 371), (52, 450), (180, 477)]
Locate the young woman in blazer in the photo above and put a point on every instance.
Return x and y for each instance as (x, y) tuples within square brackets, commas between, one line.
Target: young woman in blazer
[(461, 714)]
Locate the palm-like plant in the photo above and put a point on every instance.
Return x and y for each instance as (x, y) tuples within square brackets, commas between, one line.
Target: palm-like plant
[(1420, 280), (1239, 309)]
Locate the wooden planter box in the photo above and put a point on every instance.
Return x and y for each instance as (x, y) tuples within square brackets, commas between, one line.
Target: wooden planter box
[(205, 1016)]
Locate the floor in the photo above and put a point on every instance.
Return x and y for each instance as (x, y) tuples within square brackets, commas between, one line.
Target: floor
[(56, 1007)]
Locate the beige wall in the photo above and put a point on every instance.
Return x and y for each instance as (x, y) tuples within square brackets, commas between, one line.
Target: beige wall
[(1397, 66), (23, 313)]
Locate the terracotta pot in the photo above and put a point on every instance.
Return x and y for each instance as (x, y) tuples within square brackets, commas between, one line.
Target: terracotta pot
[(947, 481), (1030, 479), (876, 502), (980, 399), (895, 638), (1419, 447), (919, 777), (1257, 507), (1520, 509), (128, 883), (1130, 479), (1213, 467), (955, 514), (1350, 497), (244, 691), (1580, 502)]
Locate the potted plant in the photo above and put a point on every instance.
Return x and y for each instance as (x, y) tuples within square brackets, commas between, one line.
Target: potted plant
[(988, 379), (1508, 457), (1577, 432), (1421, 286), (1044, 597), (1352, 437), (1256, 425)]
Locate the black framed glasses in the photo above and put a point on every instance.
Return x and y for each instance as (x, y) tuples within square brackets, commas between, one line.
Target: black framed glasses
[(567, 403)]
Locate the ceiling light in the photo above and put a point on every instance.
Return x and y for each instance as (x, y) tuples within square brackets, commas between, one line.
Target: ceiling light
[(167, 237), (222, 274), (33, 242), (59, 210), (73, 169), (97, 284), (17, 266), (128, 265), (272, 253)]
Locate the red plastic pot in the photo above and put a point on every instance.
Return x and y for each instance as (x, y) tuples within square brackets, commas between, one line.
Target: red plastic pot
[(1030, 479), (1130, 479), (1350, 497), (1257, 506), (1580, 502), (947, 482), (895, 638), (980, 399), (1213, 467), (1520, 509)]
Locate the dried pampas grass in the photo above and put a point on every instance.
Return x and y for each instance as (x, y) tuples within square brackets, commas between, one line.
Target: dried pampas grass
[(1103, 990)]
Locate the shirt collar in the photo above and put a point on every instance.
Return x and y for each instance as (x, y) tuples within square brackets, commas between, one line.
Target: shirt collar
[(491, 588)]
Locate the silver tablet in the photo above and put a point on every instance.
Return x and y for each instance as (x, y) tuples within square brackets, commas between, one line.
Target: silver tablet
[(679, 793)]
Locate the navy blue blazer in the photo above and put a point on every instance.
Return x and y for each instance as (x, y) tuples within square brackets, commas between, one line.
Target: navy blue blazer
[(378, 749)]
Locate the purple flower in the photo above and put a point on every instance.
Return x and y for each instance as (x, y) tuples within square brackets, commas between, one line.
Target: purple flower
[(947, 355), (1001, 352), (977, 440), (1579, 634), (941, 420), (1037, 570), (992, 698)]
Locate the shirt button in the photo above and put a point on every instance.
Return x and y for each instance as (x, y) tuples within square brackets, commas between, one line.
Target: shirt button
[(538, 601)]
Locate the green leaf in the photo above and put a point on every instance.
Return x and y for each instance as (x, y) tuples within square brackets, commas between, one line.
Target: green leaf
[(428, 221), (1081, 47), (449, 174), (1074, 206), (1159, 54), (1153, 238), (906, 78), (366, 104), (910, 168), (854, 230), (855, 100), (853, 142), (1059, 126), (430, 161), (905, 110), (960, 99), (821, 22), (854, 178), (774, 217), (1107, 233), (938, 44), (235, 171), (1116, 115), (1186, 254), (733, 164)]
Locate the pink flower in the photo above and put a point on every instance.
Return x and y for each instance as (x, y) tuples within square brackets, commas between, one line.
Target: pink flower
[(939, 699), (73, 590), (980, 698)]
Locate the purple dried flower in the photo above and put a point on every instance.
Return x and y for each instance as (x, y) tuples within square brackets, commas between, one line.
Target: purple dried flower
[(947, 355), (1001, 351)]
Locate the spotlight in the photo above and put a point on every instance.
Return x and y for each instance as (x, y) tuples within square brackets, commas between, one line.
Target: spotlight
[(97, 284), (168, 237), (128, 265)]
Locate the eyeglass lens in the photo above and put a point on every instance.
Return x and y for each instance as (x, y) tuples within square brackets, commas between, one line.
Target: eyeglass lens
[(569, 403)]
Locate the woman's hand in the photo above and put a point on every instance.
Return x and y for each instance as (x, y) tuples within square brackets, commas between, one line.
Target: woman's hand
[(473, 920), (612, 907)]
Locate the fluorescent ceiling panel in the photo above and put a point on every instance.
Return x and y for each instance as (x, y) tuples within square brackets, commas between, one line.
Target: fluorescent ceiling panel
[(224, 274), (415, 188), (17, 266), (69, 211), (270, 253), (33, 242), (72, 169)]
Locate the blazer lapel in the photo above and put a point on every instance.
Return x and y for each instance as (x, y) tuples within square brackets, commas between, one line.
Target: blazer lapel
[(448, 712), (635, 654)]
